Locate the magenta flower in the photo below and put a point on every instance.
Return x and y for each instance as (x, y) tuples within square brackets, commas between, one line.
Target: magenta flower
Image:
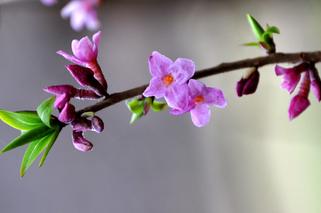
[(49, 2), (291, 76), (300, 102), (82, 14), (85, 54), (248, 85), (201, 98), (169, 79)]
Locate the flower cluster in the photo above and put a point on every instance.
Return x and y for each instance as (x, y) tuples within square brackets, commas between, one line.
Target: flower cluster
[(82, 13), (307, 75), (172, 81), (88, 74)]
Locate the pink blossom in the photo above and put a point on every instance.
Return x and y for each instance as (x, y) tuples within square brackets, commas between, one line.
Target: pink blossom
[(315, 83), (68, 113), (80, 142), (85, 54), (169, 79), (201, 98), (82, 14)]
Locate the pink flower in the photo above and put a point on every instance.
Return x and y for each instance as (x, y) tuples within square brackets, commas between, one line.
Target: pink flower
[(291, 76), (85, 54), (248, 85), (201, 98), (49, 2), (82, 14), (300, 102), (169, 79)]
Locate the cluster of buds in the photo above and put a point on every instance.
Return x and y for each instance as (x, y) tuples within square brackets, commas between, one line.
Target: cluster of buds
[(82, 13), (307, 75), (88, 75), (172, 81)]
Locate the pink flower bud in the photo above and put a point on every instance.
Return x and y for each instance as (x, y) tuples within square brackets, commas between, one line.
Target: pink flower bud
[(97, 124), (248, 85), (68, 113), (315, 83), (85, 77), (81, 143)]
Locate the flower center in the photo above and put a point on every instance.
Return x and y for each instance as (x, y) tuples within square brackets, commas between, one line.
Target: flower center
[(199, 99), (168, 79)]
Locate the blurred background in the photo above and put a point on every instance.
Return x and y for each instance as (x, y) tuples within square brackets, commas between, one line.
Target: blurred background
[(249, 159)]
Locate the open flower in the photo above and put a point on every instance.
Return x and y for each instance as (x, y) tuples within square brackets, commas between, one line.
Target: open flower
[(291, 76), (169, 79), (82, 14), (300, 102), (201, 98), (85, 54)]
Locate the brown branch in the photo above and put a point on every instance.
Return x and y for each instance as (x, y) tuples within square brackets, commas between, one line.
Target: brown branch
[(221, 68)]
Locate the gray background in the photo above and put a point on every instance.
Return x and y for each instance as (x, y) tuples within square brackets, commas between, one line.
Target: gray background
[(249, 159)]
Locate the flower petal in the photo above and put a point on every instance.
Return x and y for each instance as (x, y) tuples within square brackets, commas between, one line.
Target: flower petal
[(215, 97), (182, 70), (196, 87), (84, 50), (177, 97), (155, 88), (158, 64), (201, 115), (297, 106), (96, 41), (71, 58)]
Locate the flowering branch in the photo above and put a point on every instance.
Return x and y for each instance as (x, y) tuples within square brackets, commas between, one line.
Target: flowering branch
[(275, 58)]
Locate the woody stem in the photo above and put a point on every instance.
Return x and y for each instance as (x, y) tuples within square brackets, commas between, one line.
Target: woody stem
[(274, 58)]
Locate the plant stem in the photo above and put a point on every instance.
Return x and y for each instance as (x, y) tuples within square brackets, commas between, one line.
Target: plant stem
[(275, 58)]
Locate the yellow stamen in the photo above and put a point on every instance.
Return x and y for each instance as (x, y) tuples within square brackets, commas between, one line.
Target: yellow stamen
[(199, 99)]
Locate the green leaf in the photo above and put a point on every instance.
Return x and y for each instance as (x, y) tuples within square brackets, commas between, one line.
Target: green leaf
[(35, 148), (255, 26), (135, 117), (44, 110), (272, 29), (255, 44), (27, 137), (49, 146), (158, 106), (23, 120)]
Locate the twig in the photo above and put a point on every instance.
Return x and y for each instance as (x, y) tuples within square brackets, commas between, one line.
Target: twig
[(221, 68)]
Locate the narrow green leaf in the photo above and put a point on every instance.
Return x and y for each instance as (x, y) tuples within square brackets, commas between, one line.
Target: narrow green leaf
[(33, 150), (44, 110), (135, 117), (255, 44), (255, 26), (22, 120), (158, 106), (51, 142), (27, 137)]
